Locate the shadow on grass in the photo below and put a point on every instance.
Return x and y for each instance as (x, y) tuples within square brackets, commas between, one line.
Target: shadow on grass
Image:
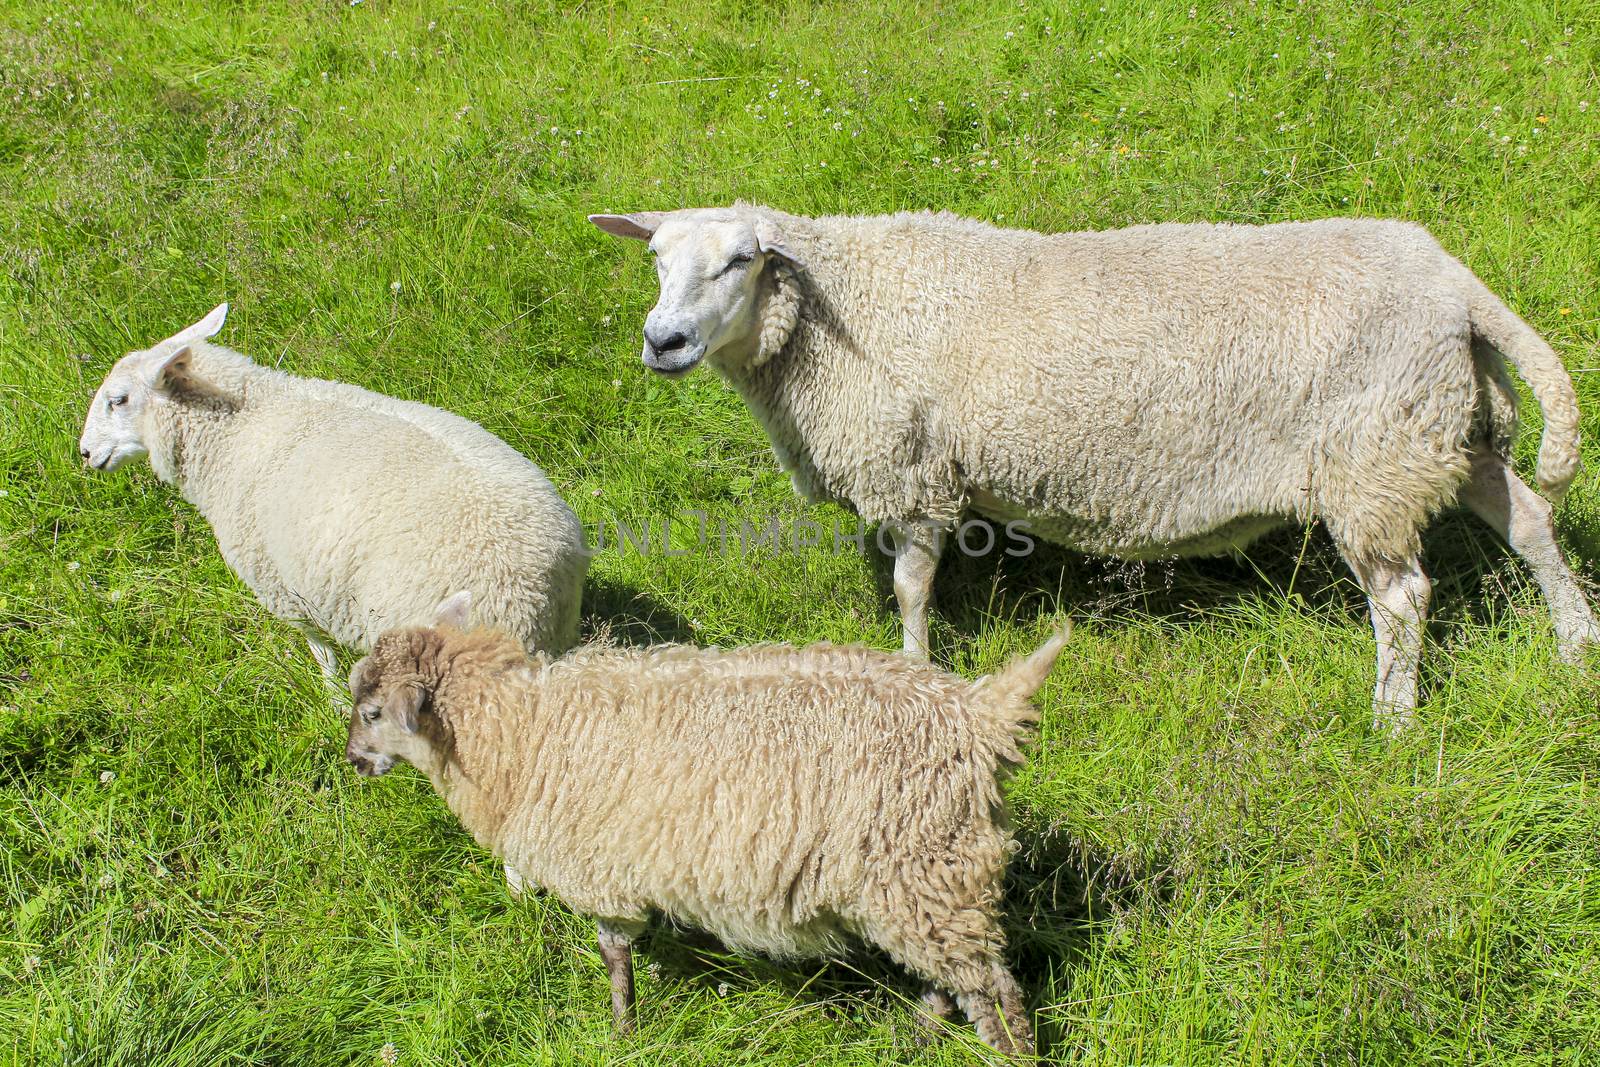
[(619, 613), (1468, 563), (1056, 894), (1059, 893)]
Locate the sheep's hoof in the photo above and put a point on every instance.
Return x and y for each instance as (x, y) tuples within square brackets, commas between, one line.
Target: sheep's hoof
[(1393, 721), (1575, 653), (1016, 1046), (936, 1009), (1394, 717), (1016, 1043)]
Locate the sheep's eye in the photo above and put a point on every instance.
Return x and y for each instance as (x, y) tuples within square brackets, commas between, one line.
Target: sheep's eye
[(117, 401), (738, 261), (371, 715)]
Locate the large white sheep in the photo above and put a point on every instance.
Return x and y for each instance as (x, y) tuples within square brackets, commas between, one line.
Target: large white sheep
[(782, 798), (1148, 392), (347, 512)]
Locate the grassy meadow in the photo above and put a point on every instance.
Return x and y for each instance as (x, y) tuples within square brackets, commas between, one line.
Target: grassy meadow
[(1220, 860)]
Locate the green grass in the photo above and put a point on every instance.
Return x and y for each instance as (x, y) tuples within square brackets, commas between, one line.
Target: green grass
[(1221, 862)]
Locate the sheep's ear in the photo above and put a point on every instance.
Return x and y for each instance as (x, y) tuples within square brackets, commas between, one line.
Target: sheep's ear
[(769, 239), (358, 683), (404, 707), (454, 610), (174, 372), (640, 225), (207, 327)]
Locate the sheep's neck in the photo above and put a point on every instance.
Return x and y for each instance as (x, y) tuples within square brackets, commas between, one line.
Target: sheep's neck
[(840, 380), (189, 439), (478, 776)]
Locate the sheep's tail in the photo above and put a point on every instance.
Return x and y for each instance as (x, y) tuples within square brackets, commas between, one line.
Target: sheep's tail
[(1007, 693), (1505, 331)]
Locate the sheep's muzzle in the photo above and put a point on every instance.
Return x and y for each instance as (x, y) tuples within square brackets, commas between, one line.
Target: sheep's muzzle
[(370, 766)]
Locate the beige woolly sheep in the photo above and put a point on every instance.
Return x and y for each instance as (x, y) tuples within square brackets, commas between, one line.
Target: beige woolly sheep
[(781, 798), (1149, 392), (347, 512)]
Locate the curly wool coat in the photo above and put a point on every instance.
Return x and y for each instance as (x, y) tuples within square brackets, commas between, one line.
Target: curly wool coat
[(782, 798)]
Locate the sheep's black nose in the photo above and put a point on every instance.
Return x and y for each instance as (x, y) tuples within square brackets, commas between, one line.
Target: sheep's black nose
[(84, 452), (670, 343)]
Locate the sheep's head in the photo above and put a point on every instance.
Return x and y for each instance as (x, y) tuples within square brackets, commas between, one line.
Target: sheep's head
[(727, 285), (116, 428), (391, 691)]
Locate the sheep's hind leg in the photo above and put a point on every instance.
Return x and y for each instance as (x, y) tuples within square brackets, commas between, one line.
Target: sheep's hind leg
[(917, 548), (616, 948), (998, 1013), (1522, 518), (957, 948), (1397, 597)]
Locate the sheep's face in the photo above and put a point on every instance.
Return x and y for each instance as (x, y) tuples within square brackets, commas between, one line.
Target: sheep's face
[(711, 264), (391, 716), (390, 703), (115, 430)]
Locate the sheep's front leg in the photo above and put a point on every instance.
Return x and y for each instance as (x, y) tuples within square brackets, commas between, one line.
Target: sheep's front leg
[(917, 547), (616, 948), (937, 1008), (328, 661)]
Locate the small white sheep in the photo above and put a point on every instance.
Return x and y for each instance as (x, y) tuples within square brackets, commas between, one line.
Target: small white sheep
[(347, 512), (1149, 392), (781, 798)]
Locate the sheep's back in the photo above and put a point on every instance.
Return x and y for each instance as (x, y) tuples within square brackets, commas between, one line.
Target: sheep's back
[(1169, 388), (361, 512), (756, 792)]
